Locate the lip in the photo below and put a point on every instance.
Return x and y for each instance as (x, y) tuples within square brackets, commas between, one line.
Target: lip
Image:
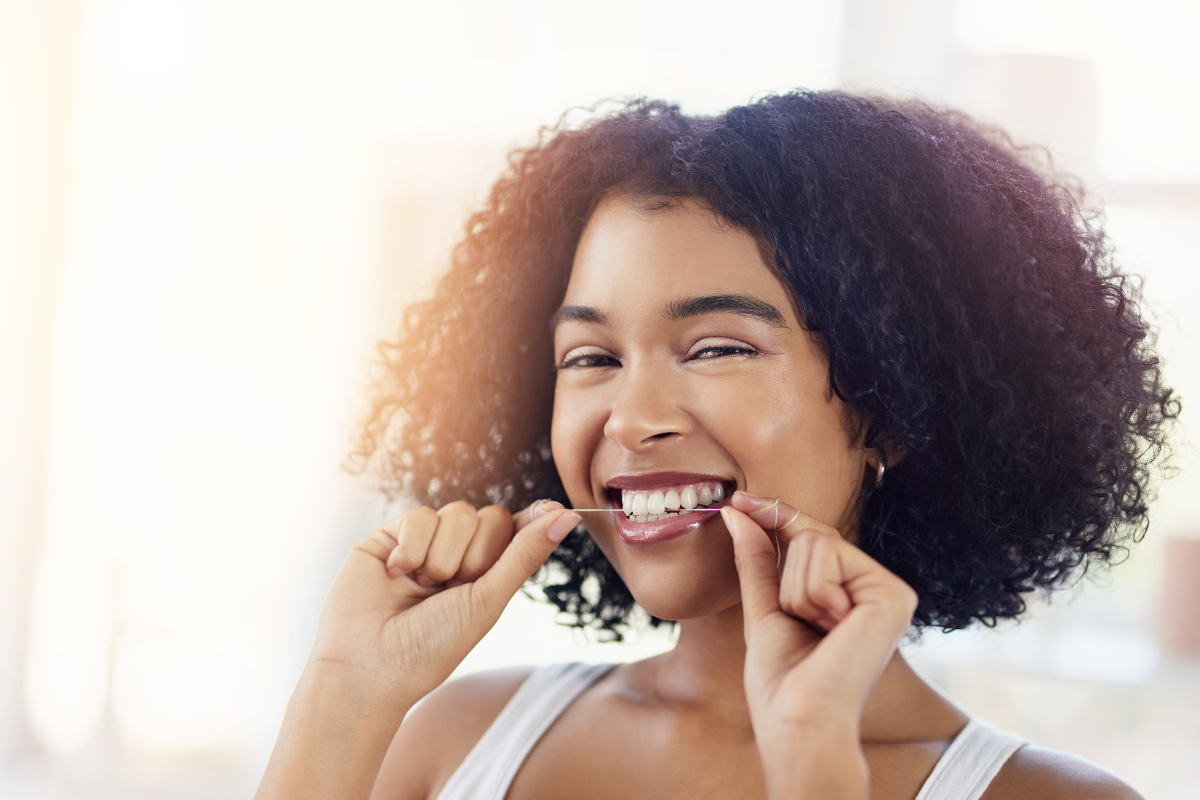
[(637, 534), (652, 480)]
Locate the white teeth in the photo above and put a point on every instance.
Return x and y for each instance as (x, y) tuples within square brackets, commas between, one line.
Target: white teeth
[(659, 504), (639, 505), (687, 498)]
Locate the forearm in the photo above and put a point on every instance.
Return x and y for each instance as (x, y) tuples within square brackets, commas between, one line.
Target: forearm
[(337, 728), (814, 764)]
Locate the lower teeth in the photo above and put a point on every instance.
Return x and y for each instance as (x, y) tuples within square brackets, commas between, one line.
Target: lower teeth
[(657, 517)]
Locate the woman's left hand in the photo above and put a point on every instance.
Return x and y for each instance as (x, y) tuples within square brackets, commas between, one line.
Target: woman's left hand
[(820, 628)]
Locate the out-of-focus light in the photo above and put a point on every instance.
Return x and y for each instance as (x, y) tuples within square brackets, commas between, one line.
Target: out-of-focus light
[(67, 670), (1147, 67)]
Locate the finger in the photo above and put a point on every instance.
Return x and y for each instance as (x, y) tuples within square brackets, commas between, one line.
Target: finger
[(826, 583), (793, 597), (862, 643), (456, 526), (378, 543), (494, 533), (754, 556), (534, 510), (812, 587), (414, 532), (775, 515), (880, 607), (528, 550)]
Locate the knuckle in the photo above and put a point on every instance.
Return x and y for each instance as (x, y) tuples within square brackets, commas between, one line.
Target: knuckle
[(406, 558), (825, 595), (380, 537), (420, 513), (439, 569), (824, 546), (827, 530), (804, 521), (495, 514), (472, 568), (529, 562), (423, 517), (469, 574), (789, 597), (798, 606), (375, 543), (808, 537), (459, 510)]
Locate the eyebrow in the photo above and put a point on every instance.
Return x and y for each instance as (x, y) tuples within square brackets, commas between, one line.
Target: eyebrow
[(739, 304), (578, 314), (685, 308)]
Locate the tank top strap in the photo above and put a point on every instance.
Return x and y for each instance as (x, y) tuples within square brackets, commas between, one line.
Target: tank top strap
[(970, 762), (491, 766)]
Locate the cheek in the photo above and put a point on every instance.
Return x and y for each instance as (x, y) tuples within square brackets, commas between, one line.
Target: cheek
[(790, 442), (574, 433)]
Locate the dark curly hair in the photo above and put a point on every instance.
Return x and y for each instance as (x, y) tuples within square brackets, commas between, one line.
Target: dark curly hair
[(969, 307)]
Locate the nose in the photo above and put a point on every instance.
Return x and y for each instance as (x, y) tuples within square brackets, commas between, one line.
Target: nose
[(646, 410)]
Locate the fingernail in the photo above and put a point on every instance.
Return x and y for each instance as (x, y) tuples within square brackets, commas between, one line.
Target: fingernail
[(545, 507), (395, 572), (725, 518), (562, 526), (755, 499)]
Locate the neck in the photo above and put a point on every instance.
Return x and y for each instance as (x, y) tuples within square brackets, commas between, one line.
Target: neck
[(705, 667)]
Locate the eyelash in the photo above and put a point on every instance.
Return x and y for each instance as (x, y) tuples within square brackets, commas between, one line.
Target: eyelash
[(749, 352)]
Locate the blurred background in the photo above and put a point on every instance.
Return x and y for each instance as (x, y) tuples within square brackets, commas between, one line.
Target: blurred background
[(210, 211)]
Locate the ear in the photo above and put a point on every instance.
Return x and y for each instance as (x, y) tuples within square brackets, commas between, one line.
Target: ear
[(890, 455), (880, 459)]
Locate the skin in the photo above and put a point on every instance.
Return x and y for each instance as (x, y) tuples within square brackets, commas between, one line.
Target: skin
[(785, 681)]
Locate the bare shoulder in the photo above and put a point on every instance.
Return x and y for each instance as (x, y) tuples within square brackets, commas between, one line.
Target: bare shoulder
[(1037, 773), (438, 732)]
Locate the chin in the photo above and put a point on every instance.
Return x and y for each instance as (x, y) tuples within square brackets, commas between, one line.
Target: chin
[(668, 591), (685, 577), (678, 609)]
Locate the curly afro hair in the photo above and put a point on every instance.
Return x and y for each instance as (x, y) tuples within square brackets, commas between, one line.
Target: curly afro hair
[(970, 310)]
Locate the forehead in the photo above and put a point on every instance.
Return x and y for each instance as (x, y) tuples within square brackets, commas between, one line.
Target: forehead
[(628, 251)]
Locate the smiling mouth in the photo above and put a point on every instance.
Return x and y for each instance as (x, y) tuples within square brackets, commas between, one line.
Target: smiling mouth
[(663, 502)]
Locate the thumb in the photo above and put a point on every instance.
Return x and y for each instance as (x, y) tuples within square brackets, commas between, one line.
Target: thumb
[(755, 557), (527, 551)]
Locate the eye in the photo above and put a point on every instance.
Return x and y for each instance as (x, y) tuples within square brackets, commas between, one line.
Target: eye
[(585, 358), (720, 350)]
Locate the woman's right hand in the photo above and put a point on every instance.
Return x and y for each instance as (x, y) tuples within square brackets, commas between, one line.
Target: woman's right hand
[(420, 591), (408, 604)]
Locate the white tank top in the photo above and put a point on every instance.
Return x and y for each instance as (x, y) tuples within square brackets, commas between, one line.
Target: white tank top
[(962, 773)]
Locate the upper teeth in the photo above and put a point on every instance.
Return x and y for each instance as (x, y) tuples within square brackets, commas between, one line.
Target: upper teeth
[(670, 500)]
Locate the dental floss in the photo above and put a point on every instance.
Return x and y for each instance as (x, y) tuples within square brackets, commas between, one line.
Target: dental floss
[(620, 511), (778, 549), (775, 528)]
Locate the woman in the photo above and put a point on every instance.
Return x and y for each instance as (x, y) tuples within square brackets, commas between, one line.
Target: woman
[(896, 360)]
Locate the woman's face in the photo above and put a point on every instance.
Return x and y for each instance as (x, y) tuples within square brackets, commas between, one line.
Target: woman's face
[(682, 364)]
